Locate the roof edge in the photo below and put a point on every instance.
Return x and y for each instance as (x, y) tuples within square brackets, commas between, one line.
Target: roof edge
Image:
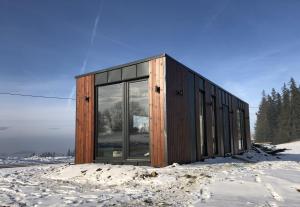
[(123, 65)]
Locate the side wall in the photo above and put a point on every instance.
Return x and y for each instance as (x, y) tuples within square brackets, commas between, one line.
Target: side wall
[(181, 133), (157, 91), (84, 142), (182, 103)]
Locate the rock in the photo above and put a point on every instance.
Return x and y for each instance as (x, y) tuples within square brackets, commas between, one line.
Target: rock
[(148, 200), (154, 174), (99, 169)]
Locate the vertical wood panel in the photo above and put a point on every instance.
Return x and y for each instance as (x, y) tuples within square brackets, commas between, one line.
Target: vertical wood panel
[(84, 142), (219, 112), (157, 115), (234, 126), (247, 126), (208, 119), (180, 113)]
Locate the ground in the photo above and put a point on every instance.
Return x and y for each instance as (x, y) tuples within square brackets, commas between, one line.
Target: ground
[(252, 179)]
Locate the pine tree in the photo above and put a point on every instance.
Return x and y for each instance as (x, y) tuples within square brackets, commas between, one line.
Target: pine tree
[(284, 117), (274, 102), (278, 118), (262, 126), (294, 111)]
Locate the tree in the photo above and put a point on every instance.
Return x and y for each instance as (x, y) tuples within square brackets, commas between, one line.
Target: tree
[(284, 116), (294, 111), (278, 117), (262, 127)]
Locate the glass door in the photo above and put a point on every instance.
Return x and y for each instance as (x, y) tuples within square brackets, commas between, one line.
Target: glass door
[(123, 121), (138, 104), (110, 121)]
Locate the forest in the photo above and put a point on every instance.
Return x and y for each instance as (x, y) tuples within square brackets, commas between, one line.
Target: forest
[(278, 116)]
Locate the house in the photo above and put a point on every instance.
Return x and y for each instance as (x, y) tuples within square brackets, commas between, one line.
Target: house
[(156, 111)]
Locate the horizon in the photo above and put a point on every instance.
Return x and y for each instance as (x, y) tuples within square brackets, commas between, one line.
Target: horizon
[(244, 47)]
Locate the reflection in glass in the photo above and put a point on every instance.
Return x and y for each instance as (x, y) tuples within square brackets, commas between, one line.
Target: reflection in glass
[(201, 118), (240, 128), (138, 119), (110, 107)]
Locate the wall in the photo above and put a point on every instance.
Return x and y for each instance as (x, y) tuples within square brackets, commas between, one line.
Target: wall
[(157, 107), (180, 105), (84, 143)]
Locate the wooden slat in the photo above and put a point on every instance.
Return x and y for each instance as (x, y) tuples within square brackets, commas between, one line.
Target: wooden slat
[(157, 115), (84, 120), (247, 126), (219, 121), (235, 137), (208, 119)]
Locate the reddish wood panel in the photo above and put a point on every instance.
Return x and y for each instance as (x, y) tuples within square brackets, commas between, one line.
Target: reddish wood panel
[(157, 111), (84, 142), (180, 107)]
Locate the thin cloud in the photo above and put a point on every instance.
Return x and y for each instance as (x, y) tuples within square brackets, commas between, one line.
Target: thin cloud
[(3, 128), (215, 16), (91, 43), (54, 128)]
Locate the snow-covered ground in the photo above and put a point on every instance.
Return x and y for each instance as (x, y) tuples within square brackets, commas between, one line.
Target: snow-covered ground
[(13, 161), (270, 181)]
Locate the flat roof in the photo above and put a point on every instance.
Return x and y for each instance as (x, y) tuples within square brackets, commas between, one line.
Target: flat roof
[(124, 65), (151, 58)]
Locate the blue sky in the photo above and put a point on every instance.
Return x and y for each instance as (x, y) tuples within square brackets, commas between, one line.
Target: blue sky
[(244, 46)]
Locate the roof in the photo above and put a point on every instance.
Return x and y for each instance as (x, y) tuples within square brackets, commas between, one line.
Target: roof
[(123, 65), (151, 58)]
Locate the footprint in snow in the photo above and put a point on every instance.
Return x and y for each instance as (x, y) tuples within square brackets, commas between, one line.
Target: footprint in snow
[(274, 194), (204, 194), (257, 179)]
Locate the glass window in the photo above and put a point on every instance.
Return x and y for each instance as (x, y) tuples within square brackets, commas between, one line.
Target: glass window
[(138, 119), (240, 128), (110, 121), (202, 122)]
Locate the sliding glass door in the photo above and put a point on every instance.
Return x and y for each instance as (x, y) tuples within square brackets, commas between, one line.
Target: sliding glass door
[(123, 121), (110, 121), (138, 119)]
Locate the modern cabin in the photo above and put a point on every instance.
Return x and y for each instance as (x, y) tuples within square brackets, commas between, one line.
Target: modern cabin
[(156, 111)]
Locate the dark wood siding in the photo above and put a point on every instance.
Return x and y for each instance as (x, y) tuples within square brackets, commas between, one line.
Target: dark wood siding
[(157, 112), (247, 126), (208, 118), (84, 144), (180, 113), (235, 137), (219, 121)]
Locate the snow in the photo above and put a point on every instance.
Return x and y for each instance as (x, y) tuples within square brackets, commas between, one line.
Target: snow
[(251, 179), (16, 161)]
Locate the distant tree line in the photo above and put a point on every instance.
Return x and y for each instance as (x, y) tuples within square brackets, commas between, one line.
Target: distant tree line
[(278, 117)]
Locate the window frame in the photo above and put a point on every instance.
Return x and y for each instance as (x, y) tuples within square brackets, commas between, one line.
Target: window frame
[(125, 158)]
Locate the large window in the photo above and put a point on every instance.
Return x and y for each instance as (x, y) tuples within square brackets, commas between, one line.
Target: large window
[(138, 119), (110, 121), (123, 121), (240, 128), (213, 125)]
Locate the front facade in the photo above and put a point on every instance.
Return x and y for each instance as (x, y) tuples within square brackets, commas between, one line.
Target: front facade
[(156, 111)]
